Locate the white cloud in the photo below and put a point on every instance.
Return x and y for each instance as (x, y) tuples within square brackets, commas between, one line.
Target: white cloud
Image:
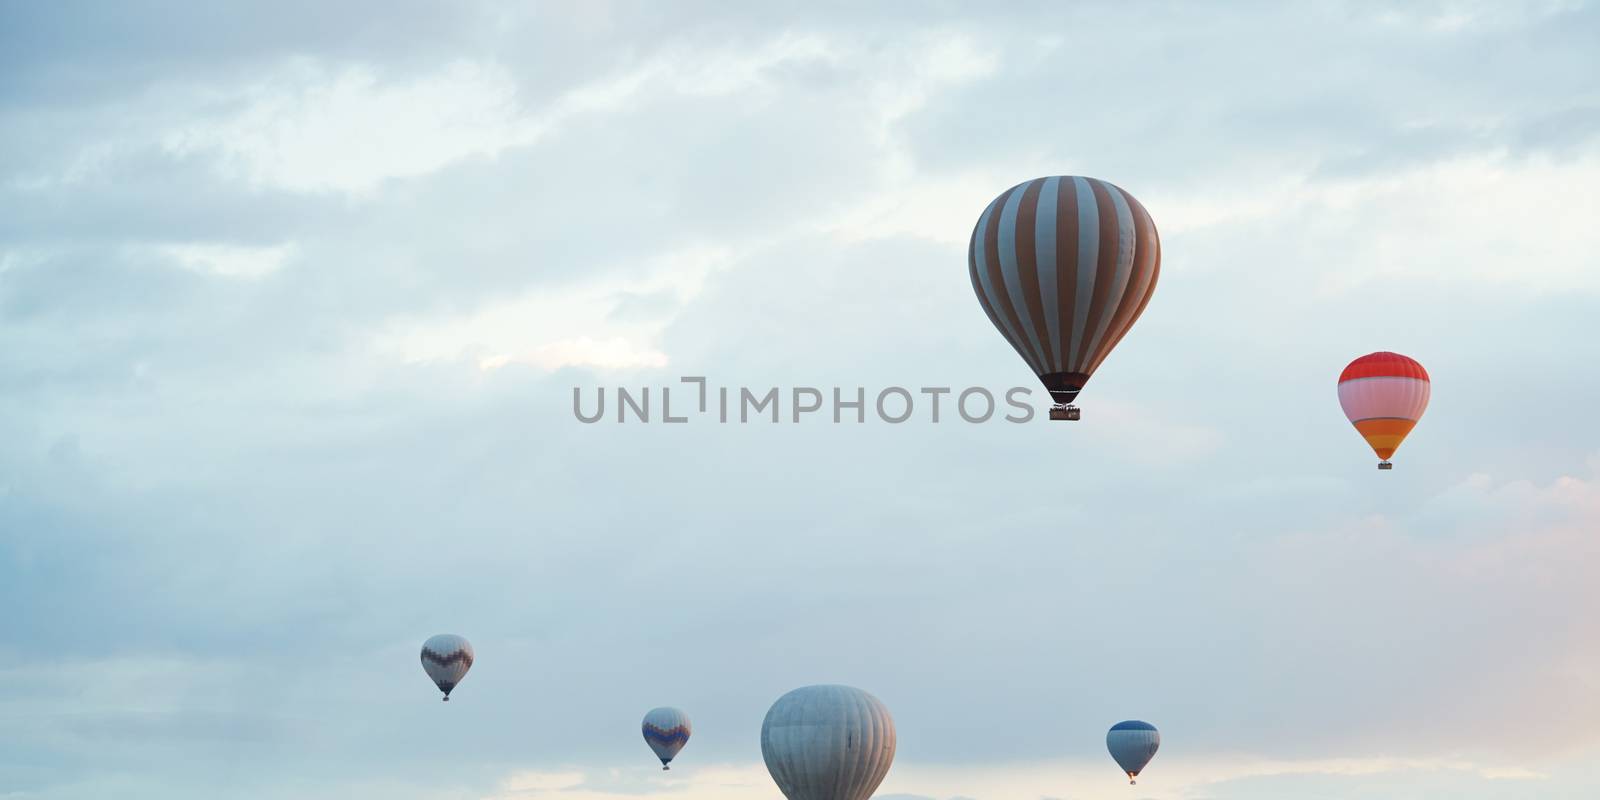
[(615, 353), (1146, 436), (1517, 224), (536, 328), (87, 161), (532, 782), (933, 63), (308, 130), (941, 209), (708, 783), (1520, 497), (1167, 779), (315, 127), (14, 259), (230, 261), (1454, 597), (1463, 16), (152, 684)]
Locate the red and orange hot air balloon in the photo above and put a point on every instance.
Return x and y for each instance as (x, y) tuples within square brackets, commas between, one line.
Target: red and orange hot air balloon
[(1384, 394)]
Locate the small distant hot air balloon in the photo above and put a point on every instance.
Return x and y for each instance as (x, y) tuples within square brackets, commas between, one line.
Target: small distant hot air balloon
[(1132, 745), (446, 658), (828, 743), (666, 730), (1384, 394), (1063, 266)]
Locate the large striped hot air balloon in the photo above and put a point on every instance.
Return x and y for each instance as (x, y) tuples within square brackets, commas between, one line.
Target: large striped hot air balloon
[(1063, 266), (1384, 394), (666, 730), (828, 743), (446, 658), (1132, 745)]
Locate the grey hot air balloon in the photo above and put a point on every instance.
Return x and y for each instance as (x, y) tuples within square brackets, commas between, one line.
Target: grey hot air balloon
[(828, 743), (446, 658), (1133, 744), (666, 730), (1063, 266)]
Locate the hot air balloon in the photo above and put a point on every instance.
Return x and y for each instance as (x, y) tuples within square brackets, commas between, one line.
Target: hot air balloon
[(1063, 266), (828, 743), (1384, 394), (666, 730), (1132, 745), (446, 658)]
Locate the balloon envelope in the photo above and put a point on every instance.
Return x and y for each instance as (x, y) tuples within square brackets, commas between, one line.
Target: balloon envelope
[(828, 743), (1063, 266), (666, 730), (1384, 394), (446, 658), (1132, 745)]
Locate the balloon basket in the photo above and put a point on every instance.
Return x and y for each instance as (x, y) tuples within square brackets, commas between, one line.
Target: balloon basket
[(1385, 465), (1065, 413)]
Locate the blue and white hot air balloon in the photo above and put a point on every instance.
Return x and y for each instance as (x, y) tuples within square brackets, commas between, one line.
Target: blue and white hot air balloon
[(446, 658), (1133, 744), (666, 730), (828, 743)]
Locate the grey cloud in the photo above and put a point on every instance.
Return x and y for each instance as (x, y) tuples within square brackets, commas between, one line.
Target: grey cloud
[(75, 52), (646, 305), (1181, 92)]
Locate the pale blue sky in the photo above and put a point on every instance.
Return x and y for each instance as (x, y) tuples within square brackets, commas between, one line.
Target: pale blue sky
[(293, 299)]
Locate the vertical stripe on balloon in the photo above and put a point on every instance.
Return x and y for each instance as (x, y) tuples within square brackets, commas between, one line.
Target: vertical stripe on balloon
[(986, 265), (1044, 250), (1011, 270), (1146, 268), (1121, 265), (1088, 258)]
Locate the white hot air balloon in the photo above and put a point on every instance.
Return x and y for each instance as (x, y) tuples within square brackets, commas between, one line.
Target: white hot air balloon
[(666, 730), (1132, 745), (828, 743), (446, 658)]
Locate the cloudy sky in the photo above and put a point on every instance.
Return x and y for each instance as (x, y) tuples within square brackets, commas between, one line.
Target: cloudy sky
[(294, 297)]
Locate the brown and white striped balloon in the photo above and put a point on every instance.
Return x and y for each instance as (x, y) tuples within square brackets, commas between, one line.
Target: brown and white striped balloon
[(1063, 266)]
